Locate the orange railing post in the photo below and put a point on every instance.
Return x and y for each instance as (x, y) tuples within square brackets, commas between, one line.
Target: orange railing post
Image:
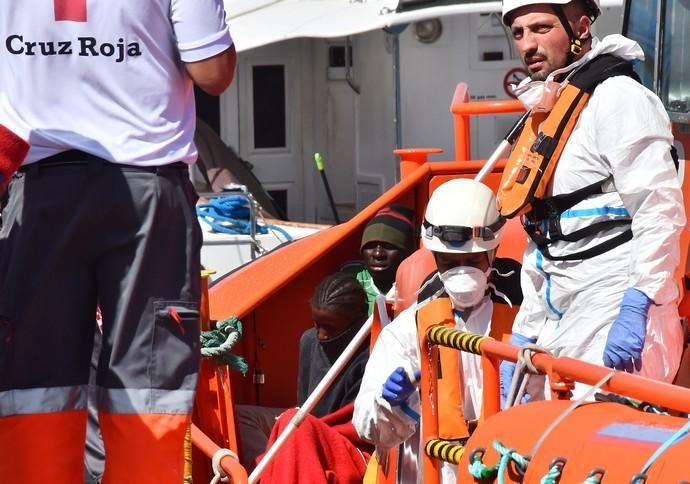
[(213, 410), (413, 158), (461, 123), (233, 469), (491, 391), (462, 109)]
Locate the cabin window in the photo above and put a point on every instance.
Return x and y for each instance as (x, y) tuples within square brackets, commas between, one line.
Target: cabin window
[(675, 85), (337, 56), (268, 94), (640, 26), (339, 62), (666, 69)]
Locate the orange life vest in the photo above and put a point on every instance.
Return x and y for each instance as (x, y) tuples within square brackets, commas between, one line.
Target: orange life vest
[(451, 421), (544, 135), (452, 424)]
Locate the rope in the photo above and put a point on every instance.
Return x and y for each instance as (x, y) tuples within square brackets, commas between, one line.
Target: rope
[(231, 215), (217, 344), (219, 473), (454, 338), (479, 470), (629, 402), (232, 210), (665, 446), (570, 409), (594, 477), (524, 368), (554, 473)]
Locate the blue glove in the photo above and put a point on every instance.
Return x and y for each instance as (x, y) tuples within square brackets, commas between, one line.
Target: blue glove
[(507, 368), (626, 337), (398, 387)]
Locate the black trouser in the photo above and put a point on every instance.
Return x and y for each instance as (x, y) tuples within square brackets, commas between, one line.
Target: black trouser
[(88, 231)]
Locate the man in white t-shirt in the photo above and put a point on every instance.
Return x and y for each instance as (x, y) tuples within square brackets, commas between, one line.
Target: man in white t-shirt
[(102, 211)]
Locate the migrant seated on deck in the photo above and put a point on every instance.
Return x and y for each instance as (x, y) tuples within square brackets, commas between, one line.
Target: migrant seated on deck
[(463, 242), (387, 240), (339, 309)]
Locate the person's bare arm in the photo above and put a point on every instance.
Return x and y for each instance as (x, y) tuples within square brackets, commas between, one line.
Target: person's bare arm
[(214, 74)]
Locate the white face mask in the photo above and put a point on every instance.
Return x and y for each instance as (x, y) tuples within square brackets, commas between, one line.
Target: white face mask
[(539, 96), (465, 285)]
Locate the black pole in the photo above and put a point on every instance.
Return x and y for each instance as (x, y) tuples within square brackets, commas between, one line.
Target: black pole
[(320, 166)]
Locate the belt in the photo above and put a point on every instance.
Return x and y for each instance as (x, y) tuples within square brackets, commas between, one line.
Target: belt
[(78, 157)]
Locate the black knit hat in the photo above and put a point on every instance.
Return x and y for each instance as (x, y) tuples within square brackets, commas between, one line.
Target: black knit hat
[(393, 224)]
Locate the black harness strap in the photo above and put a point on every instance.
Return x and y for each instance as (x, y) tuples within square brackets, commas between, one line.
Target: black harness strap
[(550, 210), (611, 243)]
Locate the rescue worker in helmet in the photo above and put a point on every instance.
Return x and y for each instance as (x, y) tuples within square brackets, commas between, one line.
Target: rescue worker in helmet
[(462, 229), (605, 295)]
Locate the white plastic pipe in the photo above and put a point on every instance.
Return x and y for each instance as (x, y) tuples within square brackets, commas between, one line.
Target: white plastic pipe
[(493, 159), (503, 146), (318, 392)]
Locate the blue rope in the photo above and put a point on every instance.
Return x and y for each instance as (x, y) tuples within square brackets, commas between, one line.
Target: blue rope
[(479, 470), (552, 476), (230, 215), (278, 229), (503, 461), (671, 440)]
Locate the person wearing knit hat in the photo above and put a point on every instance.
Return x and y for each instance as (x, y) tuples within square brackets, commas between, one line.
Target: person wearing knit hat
[(387, 240)]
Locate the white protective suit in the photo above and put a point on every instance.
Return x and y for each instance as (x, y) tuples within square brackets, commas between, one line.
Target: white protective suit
[(397, 346), (569, 306)]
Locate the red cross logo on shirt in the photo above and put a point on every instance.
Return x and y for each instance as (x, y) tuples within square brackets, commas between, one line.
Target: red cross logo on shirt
[(70, 10)]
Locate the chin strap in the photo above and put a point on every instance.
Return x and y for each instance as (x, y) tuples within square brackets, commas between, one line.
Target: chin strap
[(575, 48)]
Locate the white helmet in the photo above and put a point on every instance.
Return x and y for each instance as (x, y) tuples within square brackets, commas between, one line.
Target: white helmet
[(593, 7), (461, 217)]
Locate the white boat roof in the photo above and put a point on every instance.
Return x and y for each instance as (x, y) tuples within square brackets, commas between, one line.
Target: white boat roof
[(254, 23)]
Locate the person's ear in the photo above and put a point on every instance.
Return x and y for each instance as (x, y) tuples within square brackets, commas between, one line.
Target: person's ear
[(583, 28)]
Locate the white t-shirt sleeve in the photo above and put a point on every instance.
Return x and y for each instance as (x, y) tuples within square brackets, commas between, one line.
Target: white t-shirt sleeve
[(200, 28)]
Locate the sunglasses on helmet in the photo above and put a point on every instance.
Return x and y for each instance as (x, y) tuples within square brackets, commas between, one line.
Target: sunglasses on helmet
[(459, 233)]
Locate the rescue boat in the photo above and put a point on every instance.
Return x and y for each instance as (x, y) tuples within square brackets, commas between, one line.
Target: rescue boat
[(619, 440)]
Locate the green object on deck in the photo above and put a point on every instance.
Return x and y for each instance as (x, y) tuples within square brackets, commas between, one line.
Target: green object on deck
[(320, 166), (217, 344)]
